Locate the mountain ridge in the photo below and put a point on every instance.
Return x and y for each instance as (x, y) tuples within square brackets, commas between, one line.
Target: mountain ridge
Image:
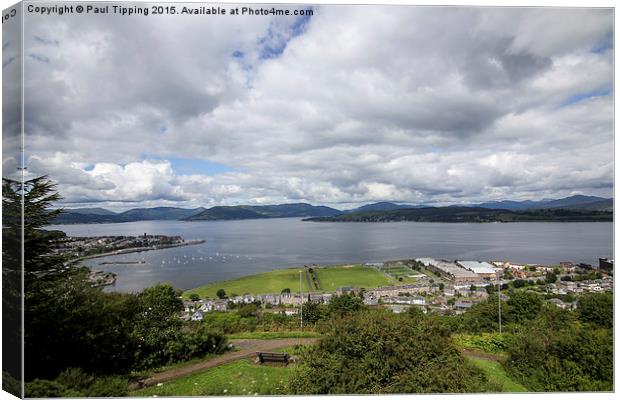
[(290, 210)]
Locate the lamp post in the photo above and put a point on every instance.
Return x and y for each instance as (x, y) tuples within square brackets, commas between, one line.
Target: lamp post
[(301, 304), (499, 301)]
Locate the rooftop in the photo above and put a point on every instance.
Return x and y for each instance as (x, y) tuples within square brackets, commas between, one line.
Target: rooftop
[(478, 267)]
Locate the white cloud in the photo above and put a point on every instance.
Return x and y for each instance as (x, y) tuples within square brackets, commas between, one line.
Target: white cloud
[(364, 104)]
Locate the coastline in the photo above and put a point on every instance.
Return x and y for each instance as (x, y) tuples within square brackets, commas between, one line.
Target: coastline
[(139, 250)]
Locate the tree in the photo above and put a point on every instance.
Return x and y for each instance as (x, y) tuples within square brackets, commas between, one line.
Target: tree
[(441, 286), (344, 304), (221, 293), (555, 353), (524, 306), (551, 277), (313, 312), (248, 310), (376, 352), (194, 297), (286, 291), (597, 308)]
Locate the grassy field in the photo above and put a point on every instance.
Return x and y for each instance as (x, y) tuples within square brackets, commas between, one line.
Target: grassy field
[(238, 378), (272, 282), (332, 278), (495, 374)]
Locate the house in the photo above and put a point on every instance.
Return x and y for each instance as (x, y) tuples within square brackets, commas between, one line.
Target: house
[(461, 306), (197, 316), (347, 290), (397, 308), (563, 305), (189, 306)]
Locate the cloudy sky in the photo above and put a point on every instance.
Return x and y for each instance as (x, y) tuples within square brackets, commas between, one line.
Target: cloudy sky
[(352, 105)]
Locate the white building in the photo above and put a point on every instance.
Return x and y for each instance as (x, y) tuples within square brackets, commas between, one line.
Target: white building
[(484, 269)]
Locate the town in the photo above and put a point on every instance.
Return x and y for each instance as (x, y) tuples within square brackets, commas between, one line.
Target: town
[(441, 286), (81, 248)]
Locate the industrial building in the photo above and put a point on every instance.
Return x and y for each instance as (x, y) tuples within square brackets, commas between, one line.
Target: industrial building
[(484, 269), (449, 270)]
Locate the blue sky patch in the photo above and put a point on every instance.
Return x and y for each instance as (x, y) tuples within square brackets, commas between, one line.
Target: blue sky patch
[(192, 166), (607, 43), (273, 44), (585, 96)]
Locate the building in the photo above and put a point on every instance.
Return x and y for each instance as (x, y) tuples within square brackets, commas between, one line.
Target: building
[(450, 271), (197, 316), (483, 269), (606, 264), (461, 306)]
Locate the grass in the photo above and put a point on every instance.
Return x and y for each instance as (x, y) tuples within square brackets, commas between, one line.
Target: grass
[(238, 378), (497, 376), (272, 282), (179, 364), (332, 278), (274, 335), (486, 342)]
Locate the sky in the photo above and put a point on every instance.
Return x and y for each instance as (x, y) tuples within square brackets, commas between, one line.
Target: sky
[(352, 105)]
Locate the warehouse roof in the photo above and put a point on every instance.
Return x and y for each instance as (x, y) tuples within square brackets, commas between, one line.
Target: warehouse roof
[(478, 267)]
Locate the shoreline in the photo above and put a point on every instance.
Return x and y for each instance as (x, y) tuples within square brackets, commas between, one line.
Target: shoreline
[(139, 250)]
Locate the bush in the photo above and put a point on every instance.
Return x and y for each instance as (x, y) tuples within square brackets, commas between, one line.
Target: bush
[(376, 352), (555, 353), (41, 388), (109, 386), (248, 310), (488, 342), (344, 305), (597, 308), (10, 384)]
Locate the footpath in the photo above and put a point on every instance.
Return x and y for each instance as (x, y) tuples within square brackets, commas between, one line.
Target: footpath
[(245, 348)]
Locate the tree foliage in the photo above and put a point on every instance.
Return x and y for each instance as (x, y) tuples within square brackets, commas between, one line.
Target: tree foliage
[(68, 323), (555, 353), (379, 352), (597, 308), (344, 304)]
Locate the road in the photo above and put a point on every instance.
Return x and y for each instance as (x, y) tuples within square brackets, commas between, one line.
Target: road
[(245, 348)]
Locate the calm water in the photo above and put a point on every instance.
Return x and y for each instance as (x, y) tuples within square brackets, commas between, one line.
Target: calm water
[(237, 248)]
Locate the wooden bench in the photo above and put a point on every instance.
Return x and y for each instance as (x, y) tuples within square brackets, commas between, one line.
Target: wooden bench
[(273, 357)]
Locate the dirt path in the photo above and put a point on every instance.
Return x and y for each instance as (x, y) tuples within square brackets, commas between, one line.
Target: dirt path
[(245, 348)]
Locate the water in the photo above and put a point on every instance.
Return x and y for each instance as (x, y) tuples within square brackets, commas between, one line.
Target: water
[(237, 248)]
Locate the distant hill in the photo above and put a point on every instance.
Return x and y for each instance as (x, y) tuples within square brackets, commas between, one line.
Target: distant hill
[(468, 214), (225, 213), (92, 211), (101, 215), (267, 211), (584, 207), (160, 213), (600, 205), (382, 206), (72, 217), (577, 202), (509, 205)]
